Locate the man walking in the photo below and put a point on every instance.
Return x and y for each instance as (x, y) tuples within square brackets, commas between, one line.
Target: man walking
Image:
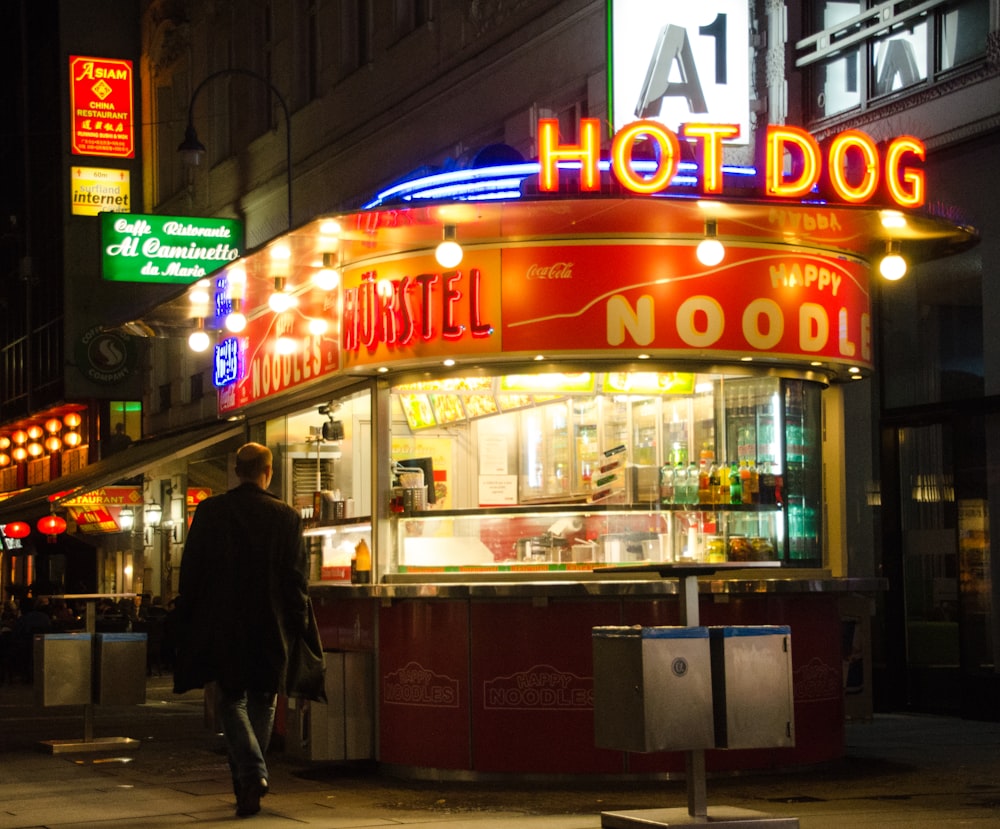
[(243, 604)]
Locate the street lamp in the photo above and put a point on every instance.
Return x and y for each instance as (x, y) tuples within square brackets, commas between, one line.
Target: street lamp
[(192, 150)]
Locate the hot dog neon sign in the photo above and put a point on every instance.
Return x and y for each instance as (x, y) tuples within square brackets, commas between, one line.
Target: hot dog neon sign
[(851, 167)]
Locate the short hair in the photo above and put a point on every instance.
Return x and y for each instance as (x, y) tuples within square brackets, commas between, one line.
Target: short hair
[(252, 461)]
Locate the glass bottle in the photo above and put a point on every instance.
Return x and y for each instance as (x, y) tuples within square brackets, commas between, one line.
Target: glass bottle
[(668, 484), (735, 485)]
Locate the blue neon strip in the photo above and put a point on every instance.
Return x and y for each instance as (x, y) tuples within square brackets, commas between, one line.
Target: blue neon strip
[(495, 183)]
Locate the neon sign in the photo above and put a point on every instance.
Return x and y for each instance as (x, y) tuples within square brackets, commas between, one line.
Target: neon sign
[(401, 311), (851, 167)]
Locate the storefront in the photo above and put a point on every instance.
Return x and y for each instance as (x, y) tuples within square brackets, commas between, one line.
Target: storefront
[(476, 444), (582, 389)]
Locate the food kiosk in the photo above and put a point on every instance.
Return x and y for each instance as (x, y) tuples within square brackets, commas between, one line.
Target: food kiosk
[(630, 362)]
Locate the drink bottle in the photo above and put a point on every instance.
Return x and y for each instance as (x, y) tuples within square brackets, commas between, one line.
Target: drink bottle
[(362, 564), (668, 484), (704, 484), (735, 485), (680, 484), (691, 490)]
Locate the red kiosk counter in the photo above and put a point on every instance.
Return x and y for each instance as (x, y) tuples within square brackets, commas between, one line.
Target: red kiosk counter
[(601, 378), (489, 678)]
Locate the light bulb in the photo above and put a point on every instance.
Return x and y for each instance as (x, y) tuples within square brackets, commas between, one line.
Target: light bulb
[(710, 252), (198, 340), (280, 301), (448, 254), (326, 279), (286, 345), (236, 322), (892, 267)]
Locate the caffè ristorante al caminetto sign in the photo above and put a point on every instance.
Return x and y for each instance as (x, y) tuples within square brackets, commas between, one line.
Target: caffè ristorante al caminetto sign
[(169, 249)]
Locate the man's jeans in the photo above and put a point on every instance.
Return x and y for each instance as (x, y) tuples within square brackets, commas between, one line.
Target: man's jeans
[(247, 718)]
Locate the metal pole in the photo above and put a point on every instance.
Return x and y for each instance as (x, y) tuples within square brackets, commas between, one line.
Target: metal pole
[(284, 108)]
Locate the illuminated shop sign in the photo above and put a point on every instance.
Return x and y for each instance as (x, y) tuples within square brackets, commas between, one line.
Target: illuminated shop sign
[(412, 308), (782, 302), (228, 362), (850, 167), (101, 106), (250, 367), (171, 249), (95, 190), (674, 63)]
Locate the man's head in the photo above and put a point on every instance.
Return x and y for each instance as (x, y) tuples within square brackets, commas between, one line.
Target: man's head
[(253, 464)]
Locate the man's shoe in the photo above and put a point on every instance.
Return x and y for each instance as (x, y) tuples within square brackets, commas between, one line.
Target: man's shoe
[(248, 799)]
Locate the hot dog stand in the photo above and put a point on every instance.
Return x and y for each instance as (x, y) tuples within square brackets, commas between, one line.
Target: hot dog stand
[(580, 391)]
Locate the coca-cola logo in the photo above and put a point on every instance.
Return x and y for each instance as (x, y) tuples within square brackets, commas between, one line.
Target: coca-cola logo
[(557, 270)]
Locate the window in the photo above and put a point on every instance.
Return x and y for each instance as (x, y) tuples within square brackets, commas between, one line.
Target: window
[(410, 15), (165, 401), (355, 34), (857, 52)]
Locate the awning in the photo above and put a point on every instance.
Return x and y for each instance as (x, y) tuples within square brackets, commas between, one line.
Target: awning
[(135, 460)]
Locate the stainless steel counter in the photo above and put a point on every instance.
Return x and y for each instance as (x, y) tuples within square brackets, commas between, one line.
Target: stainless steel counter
[(584, 585)]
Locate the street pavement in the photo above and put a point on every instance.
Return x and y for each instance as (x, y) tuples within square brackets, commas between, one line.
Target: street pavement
[(917, 772)]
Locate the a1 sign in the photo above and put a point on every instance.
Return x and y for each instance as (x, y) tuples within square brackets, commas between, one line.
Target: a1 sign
[(679, 63)]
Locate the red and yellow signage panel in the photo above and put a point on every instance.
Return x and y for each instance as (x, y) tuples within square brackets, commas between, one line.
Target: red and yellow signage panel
[(101, 98), (782, 302), (412, 309)]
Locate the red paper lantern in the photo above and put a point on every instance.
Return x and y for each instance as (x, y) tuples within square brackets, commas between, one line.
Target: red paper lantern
[(17, 529), (50, 526)]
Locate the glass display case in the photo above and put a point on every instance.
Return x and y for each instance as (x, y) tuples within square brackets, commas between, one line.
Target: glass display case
[(558, 539), (644, 466), (333, 546)]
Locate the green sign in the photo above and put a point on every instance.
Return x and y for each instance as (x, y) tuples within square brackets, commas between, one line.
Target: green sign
[(171, 249)]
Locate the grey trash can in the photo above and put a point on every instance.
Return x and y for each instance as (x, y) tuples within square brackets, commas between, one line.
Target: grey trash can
[(652, 688), (121, 668), (62, 668), (752, 686)]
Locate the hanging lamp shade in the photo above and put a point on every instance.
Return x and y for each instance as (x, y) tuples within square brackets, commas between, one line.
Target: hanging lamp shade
[(17, 529), (50, 526)]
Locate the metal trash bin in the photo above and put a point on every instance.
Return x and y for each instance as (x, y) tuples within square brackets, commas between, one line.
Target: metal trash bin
[(62, 668), (652, 688), (752, 686), (121, 668)]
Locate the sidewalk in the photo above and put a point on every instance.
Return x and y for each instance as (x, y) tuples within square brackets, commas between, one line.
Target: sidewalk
[(900, 771)]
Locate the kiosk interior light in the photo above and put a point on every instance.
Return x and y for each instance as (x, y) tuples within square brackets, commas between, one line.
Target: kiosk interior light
[(198, 340), (286, 345), (710, 251), (281, 299), (198, 295), (328, 277), (449, 252), (892, 266), (236, 320)]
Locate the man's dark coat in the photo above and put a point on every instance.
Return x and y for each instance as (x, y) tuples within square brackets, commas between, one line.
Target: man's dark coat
[(243, 599)]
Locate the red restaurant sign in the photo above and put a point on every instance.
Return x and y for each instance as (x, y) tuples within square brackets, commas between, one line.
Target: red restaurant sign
[(101, 102)]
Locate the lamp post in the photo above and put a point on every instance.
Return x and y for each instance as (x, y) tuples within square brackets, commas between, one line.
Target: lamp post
[(192, 149)]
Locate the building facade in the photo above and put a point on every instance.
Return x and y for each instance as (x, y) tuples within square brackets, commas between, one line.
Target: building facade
[(310, 107)]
